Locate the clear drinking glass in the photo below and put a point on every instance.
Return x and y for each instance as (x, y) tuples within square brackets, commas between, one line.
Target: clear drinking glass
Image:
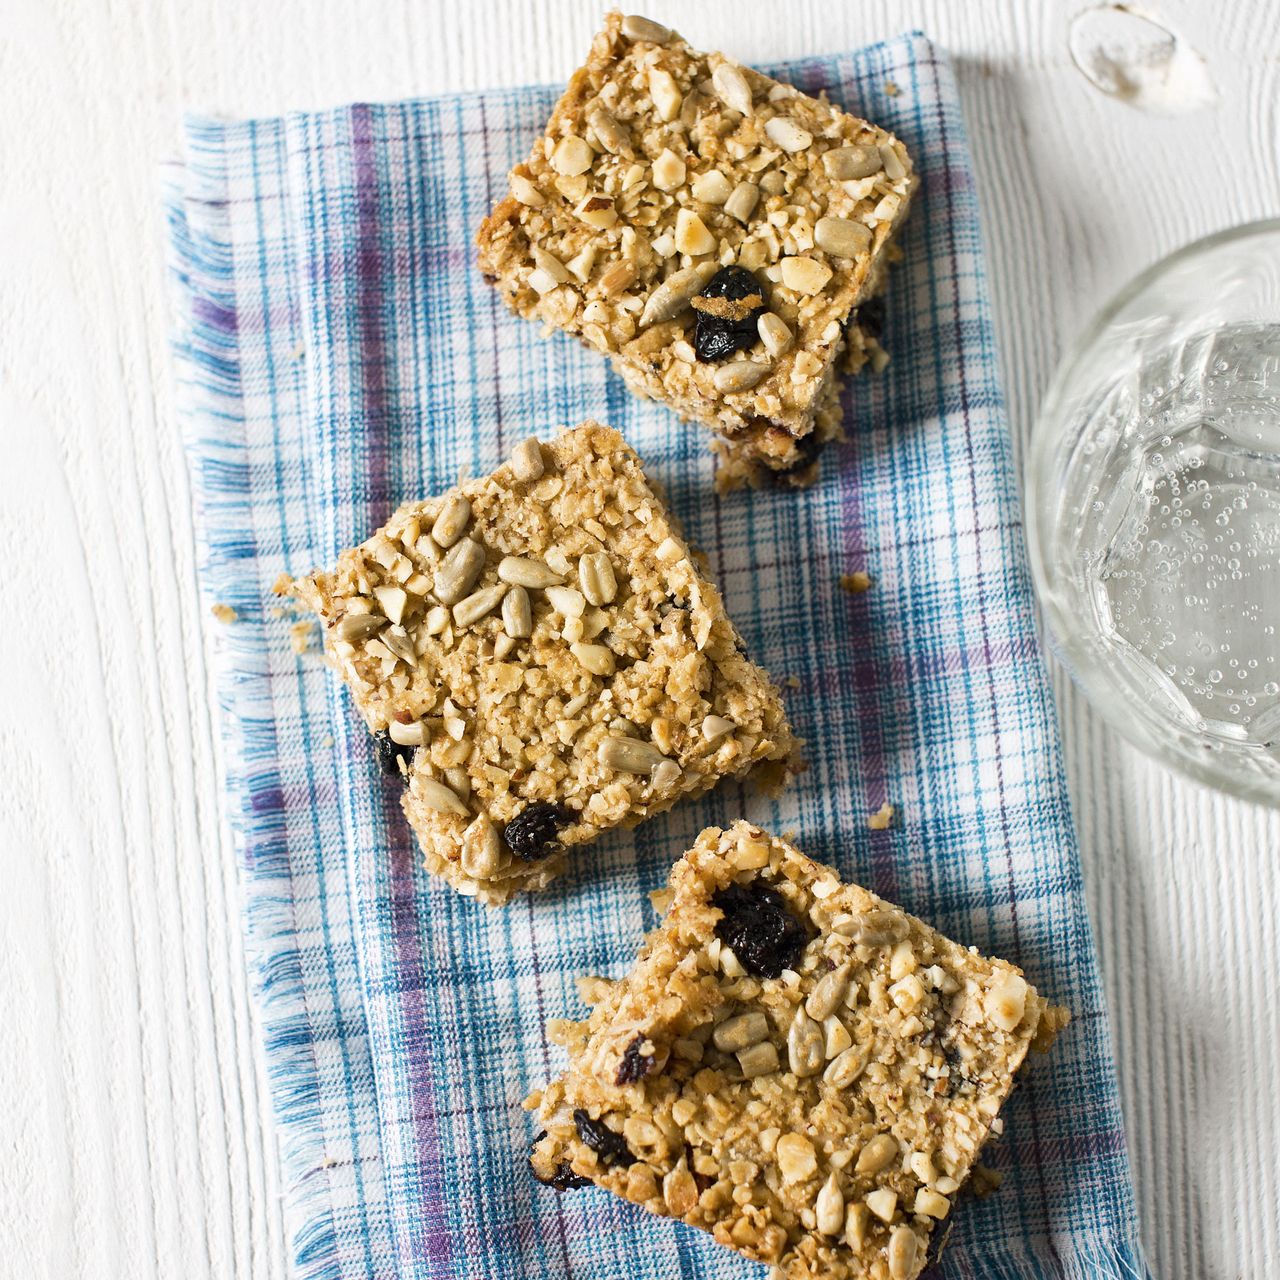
[(1153, 511)]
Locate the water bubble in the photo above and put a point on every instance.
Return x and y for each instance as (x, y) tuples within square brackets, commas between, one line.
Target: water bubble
[(1214, 676)]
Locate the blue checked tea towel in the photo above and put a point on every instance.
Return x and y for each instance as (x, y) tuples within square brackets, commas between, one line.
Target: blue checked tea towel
[(338, 353)]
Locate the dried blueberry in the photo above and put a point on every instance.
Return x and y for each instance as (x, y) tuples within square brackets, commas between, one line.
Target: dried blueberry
[(562, 1178), (534, 832), (391, 753), (808, 449), (757, 925), (609, 1146), (634, 1065), (727, 310)]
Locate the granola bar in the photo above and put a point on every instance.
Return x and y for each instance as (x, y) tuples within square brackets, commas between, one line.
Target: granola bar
[(793, 1065), (713, 231), (541, 659)]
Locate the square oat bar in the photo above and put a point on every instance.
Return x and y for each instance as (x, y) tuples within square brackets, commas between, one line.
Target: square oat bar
[(793, 1065), (713, 231), (541, 659)]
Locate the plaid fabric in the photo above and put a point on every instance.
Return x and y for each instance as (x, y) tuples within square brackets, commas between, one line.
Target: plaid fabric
[(338, 352)]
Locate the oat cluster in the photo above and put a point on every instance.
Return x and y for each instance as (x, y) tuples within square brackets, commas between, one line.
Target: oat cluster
[(815, 1101), (542, 659), (661, 168)]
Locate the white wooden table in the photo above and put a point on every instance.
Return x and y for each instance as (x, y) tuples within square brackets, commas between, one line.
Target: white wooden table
[(137, 1140)]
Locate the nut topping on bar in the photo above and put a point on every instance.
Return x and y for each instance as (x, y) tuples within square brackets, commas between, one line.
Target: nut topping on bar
[(666, 180), (514, 648), (793, 1065)]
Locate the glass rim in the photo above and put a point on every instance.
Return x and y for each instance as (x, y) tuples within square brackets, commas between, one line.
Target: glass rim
[(1081, 665)]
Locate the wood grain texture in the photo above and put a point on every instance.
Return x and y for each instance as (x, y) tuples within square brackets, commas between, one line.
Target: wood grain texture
[(139, 1141)]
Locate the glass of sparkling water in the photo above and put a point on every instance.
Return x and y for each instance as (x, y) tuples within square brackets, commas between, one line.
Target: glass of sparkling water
[(1153, 511)]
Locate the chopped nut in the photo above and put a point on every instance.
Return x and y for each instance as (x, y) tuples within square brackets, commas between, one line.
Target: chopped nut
[(882, 819), (668, 171), (526, 460), (618, 277), (393, 601), (566, 601), (596, 211), (692, 236), (665, 93), (481, 849), (679, 1191), (857, 1219), (804, 275), (796, 1158), (712, 187), (408, 735), (572, 156), (883, 1203), (876, 1154), (716, 727), (596, 658), (775, 335), (1005, 1000), (526, 191), (931, 1204)]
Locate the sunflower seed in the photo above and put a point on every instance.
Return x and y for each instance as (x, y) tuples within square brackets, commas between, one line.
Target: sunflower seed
[(597, 579), (481, 849), (740, 1032), (458, 571), (612, 135), (894, 169), (844, 163), (397, 640), (842, 237), (636, 27), (629, 754), (358, 626), (732, 88), (517, 616), (829, 1207), (739, 375), (675, 293), (435, 795), (452, 521), (519, 571), (408, 735), (478, 605), (904, 1249), (804, 1045), (827, 993), (785, 133), (759, 1060)]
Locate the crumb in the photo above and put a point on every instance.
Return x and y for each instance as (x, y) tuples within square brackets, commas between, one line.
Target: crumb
[(300, 635), (891, 88), (882, 818), (984, 1180), (855, 583), (299, 352), (281, 585), (660, 900), (327, 740), (278, 611), (792, 682), (224, 613)]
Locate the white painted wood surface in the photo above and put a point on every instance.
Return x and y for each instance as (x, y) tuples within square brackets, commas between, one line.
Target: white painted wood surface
[(137, 1141)]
